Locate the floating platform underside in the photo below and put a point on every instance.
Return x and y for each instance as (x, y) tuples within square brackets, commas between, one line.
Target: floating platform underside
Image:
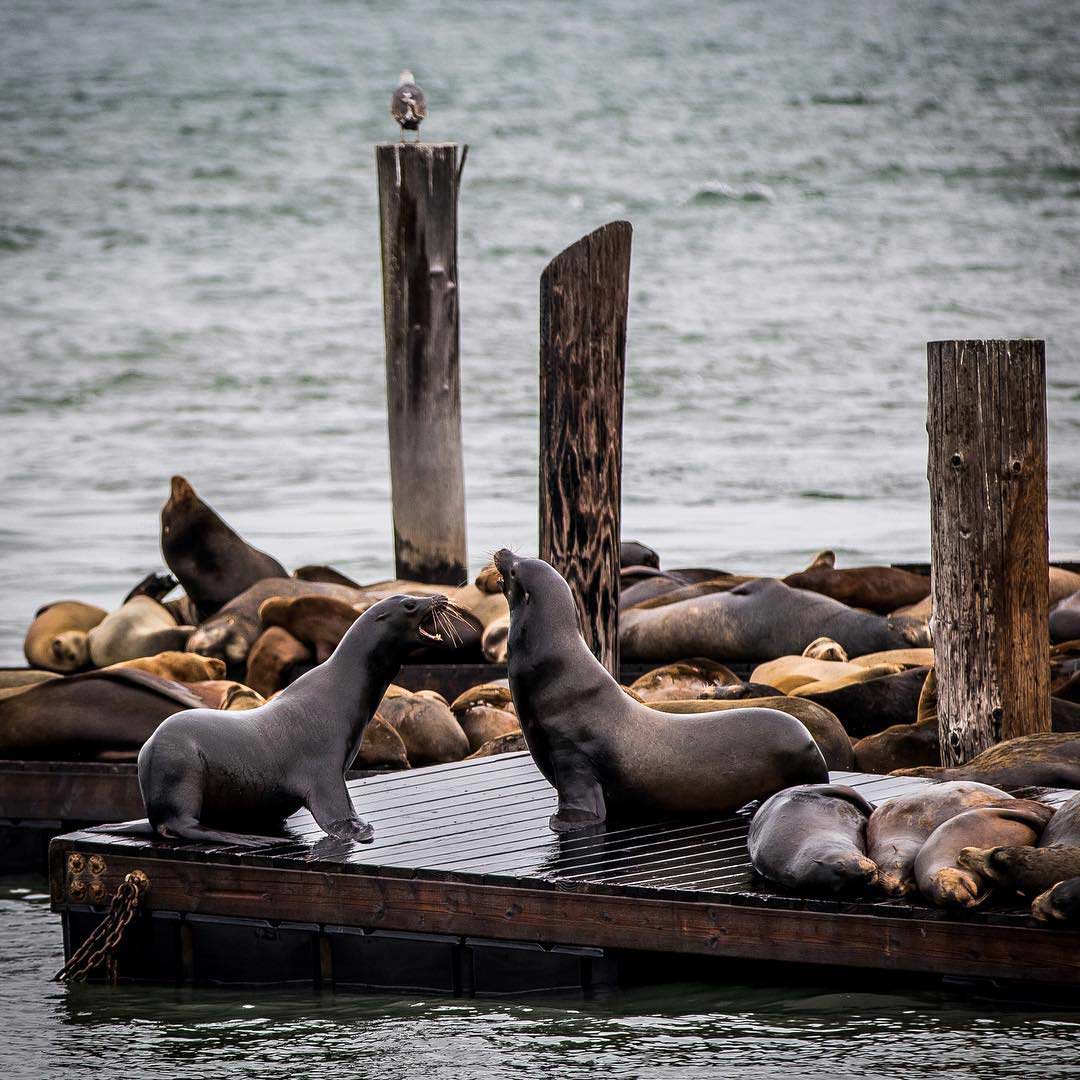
[(466, 890)]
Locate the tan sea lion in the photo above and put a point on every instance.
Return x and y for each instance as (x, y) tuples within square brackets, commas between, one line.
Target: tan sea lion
[(504, 744), (812, 838), (1063, 583), (792, 671), (1026, 870), (899, 827), (488, 580), (182, 667), (211, 561), (1061, 903), (866, 674), (906, 658), (56, 640), (683, 680), (831, 739), (1043, 760), (381, 747), (824, 648), (600, 749), (941, 878), (494, 694), (226, 695), (873, 588), (482, 723), (274, 659), (141, 627), (483, 606), (431, 734)]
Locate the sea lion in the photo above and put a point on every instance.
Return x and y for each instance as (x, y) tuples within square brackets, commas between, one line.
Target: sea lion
[(504, 744), (56, 640), (275, 660), (870, 706), (873, 588), (142, 627), (899, 827), (788, 672), (1064, 827), (429, 730), (682, 680), (203, 770), (181, 667), (757, 620), (319, 622), (689, 592), (645, 586), (740, 691), (493, 643), (906, 658), (812, 837), (863, 675), (226, 695), (11, 678), (495, 694), (381, 747), (634, 553), (1026, 870), (482, 723), (487, 580), (1043, 760), (600, 749), (325, 574), (824, 648), (902, 746), (84, 716), (832, 740), (941, 878), (1062, 903), (1063, 583), (1065, 619), (211, 561)]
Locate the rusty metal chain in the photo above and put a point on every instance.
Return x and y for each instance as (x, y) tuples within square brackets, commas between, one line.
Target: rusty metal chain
[(102, 944)]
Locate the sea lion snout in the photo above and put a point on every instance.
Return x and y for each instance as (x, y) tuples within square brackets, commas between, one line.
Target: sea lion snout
[(979, 860)]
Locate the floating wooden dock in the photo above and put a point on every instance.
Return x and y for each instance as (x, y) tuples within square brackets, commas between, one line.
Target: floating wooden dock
[(465, 890)]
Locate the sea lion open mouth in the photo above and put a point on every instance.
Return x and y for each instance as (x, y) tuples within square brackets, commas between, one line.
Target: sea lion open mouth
[(443, 618)]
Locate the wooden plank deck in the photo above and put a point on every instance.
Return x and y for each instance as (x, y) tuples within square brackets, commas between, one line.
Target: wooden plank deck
[(463, 851)]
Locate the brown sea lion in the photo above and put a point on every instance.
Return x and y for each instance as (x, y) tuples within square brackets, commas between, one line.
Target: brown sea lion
[(275, 660), (83, 716), (1061, 903), (873, 588), (482, 723), (15, 677), (831, 739), (319, 622), (682, 680), (484, 608), (204, 773), (865, 708), (899, 827), (211, 561), (634, 553), (1065, 619), (941, 878), (226, 695), (325, 574), (493, 643), (496, 695), (431, 734), (1063, 583), (1043, 760), (758, 620), (182, 667), (789, 672), (902, 746), (56, 640), (824, 648), (812, 838), (863, 675), (381, 747), (1026, 870), (142, 627), (504, 744), (488, 580), (599, 748)]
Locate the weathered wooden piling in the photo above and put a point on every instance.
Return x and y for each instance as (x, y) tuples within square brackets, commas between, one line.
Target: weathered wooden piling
[(418, 192), (584, 294), (987, 471)]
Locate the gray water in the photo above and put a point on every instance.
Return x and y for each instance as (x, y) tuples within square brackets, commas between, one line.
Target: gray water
[(189, 282)]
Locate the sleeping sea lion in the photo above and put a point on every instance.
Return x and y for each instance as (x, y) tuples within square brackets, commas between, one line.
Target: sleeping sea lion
[(899, 827), (203, 771), (181, 667), (1026, 870), (941, 878), (1061, 903), (429, 730), (683, 680), (634, 553), (141, 627), (866, 707), (1044, 760), (600, 749), (873, 588), (56, 640), (812, 837), (211, 561), (824, 648)]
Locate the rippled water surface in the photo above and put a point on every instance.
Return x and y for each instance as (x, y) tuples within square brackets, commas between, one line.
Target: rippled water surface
[(189, 282)]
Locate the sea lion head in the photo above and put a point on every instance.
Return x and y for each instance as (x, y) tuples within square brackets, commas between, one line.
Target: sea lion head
[(953, 886), (535, 585), (417, 620), (988, 862), (914, 633), (843, 871), (1062, 902), (70, 650), (228, 637)]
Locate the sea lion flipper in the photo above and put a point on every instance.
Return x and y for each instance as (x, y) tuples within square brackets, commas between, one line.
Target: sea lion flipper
[(581, 798), (334, 813), (823, 560), (848, 794)]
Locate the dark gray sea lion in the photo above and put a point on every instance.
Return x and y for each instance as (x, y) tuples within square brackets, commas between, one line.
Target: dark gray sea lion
[(899, 827), (865, 708), (1044, 760), (941, 877), (211, 561), (602, 750), (874, 588), (1064, 827), (1026, 870), (205, 773), (1061, 903), (902, 746), (56, 640), (634, 553), (812, 837), (757, 620), (82, 717)]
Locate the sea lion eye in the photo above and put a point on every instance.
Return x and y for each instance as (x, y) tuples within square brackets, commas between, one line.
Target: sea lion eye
[(409, 605)]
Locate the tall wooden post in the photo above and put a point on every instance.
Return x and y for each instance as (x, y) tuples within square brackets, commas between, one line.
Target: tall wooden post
[(583, 300), (418, 191), (987, 471)]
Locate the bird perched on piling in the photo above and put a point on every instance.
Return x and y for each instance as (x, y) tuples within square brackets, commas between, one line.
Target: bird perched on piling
[(408, 106)]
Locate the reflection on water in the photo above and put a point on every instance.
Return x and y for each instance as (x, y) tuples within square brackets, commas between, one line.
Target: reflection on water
[(684, 1029)]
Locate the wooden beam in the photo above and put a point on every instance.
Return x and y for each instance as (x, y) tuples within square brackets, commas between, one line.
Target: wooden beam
[(418, 192), (584, 294), (987, 472)]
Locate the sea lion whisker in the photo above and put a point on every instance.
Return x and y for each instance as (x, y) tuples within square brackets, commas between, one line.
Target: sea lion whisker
[(450, 628)]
